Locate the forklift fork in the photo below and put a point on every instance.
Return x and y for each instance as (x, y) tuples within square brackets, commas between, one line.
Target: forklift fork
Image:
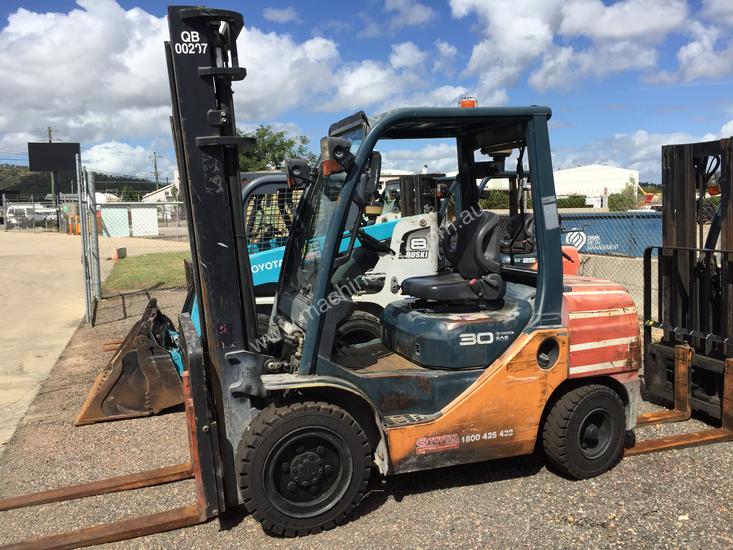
[(681, 411), (127, 528)]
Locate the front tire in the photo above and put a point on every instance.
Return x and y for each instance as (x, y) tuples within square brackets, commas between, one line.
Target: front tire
[(303, 467), (583, 435)]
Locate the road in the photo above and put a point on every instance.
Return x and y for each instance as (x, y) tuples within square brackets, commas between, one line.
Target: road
[(41, 303)]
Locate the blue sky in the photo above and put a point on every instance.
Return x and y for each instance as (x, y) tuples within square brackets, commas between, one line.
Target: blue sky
[(622, 78)]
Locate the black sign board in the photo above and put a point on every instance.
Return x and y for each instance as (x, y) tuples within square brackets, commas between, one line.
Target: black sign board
[(52, 157)]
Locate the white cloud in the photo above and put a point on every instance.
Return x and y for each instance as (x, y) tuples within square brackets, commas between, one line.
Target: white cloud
[(281, 73), (406, 55), (640, 150), (120, 158), (408, 13), (97, 70), (109, 83), (281, 15), (719, 11), (708, 54), (562, 67), (365, 84), (445, 56), (534, 36), (440, 157), (400, 14), (515, 34), (645, 20), (443, 96)]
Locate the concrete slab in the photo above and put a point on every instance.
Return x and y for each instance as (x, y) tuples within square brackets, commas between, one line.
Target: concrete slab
[(41, 303)]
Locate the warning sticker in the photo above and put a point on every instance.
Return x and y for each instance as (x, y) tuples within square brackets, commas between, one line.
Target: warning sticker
[(437, 443)]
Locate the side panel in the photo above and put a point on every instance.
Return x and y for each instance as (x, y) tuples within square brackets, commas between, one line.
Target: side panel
[(497, 416), (603, 322)]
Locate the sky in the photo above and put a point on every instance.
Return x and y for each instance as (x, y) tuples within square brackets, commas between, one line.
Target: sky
[(622, 78)]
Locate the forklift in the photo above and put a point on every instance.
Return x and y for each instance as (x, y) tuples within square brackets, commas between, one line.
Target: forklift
[(478, 361), (688, 302)]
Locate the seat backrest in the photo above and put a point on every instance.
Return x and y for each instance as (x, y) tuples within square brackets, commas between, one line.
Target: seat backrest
[(521, 227), (472, 247)]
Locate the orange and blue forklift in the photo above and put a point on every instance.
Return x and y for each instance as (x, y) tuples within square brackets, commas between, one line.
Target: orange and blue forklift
[(480, 361)]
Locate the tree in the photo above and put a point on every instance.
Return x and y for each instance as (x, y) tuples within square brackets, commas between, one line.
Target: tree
[(625, 200), (129, 194), (272, 148)]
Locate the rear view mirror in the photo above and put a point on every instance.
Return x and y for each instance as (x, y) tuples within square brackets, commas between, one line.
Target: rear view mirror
[(336, 156), (298, 172), (375, 170)]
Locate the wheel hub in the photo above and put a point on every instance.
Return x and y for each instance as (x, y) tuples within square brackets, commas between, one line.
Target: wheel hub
[(307, 469), (595, 434)]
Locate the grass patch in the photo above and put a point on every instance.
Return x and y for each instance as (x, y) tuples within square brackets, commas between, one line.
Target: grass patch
[(161, 270)]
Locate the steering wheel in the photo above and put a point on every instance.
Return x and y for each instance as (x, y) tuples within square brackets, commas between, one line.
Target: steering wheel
[(372, 244)]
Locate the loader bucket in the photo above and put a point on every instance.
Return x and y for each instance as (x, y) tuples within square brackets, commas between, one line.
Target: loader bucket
[(141, 379)]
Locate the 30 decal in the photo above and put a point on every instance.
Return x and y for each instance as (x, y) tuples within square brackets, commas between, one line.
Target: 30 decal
[(476, 338)]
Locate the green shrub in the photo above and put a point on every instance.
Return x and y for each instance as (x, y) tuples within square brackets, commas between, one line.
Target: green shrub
[(625, 200), (572, 201), (497, 200)]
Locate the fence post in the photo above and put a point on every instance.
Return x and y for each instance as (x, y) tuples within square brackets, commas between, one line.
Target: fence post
[(94, 235), (84, 247)]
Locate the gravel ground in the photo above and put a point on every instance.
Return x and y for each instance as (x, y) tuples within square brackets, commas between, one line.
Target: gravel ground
[(668, 500)]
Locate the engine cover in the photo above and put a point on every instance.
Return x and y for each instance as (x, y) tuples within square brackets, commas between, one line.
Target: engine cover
[(451, 337)]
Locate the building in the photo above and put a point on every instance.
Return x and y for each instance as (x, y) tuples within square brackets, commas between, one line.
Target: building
[(594, 180), (391, 173), (167, 193)]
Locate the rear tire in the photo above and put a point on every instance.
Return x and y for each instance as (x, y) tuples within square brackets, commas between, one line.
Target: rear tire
[(303, 467), (583, 435)]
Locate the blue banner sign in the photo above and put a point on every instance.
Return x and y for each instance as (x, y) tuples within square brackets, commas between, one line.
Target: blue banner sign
[(612, 233)]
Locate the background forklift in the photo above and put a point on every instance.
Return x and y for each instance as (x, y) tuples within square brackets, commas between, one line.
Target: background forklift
[(143, 376), (691, 315), (477, 362)]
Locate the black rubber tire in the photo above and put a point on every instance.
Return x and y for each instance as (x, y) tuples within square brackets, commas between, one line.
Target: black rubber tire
[(268, 434), (571, 418), (360, 327)]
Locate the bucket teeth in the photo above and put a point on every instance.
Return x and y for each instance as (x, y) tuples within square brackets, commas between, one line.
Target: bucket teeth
[(141, 378)]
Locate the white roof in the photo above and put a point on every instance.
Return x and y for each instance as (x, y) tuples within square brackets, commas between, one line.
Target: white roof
[(159, 195), (392, 172), (592, 180)]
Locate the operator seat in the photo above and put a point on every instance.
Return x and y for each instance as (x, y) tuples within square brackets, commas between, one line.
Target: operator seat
[(472, 247), (463, 319)]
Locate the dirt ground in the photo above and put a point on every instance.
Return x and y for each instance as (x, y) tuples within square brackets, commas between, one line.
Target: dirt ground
[(677, 499)]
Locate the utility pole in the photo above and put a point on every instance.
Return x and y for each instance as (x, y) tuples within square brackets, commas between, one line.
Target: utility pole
[(53, 185), (154, 158)]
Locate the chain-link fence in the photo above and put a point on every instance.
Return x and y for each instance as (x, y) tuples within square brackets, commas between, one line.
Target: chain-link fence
[(612, 245), (136, 228), (35, 213)]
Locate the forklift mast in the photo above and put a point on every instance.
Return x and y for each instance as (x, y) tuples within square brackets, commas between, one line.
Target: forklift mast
[(202, 63), (693, 305)]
